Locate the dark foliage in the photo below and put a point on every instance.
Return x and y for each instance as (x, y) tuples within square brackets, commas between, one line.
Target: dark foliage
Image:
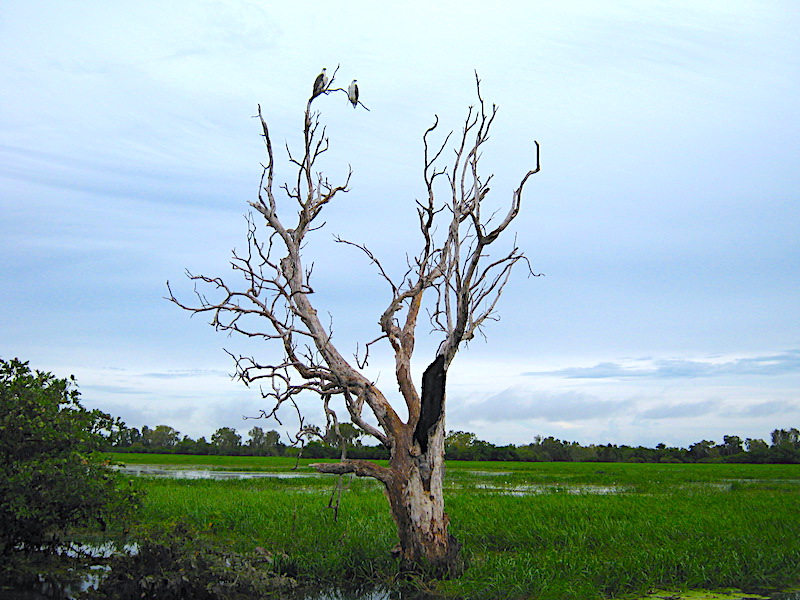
[(51, 478), (180, 563), (785, 448)]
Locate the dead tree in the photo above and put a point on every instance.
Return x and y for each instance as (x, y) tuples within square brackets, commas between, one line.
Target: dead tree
[(453, 272)]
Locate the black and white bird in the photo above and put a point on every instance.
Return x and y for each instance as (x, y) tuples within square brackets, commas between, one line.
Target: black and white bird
[(352, 93), (320, 84)]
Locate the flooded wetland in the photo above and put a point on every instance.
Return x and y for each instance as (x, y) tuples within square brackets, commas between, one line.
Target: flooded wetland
[(529, 530)]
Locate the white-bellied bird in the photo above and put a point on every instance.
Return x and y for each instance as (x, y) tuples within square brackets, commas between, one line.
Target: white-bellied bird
[(320, 84), (352, 93)]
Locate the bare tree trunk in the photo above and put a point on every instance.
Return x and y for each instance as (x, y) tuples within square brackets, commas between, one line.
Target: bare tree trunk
[(417, 505), (414, 483), (453, 273)]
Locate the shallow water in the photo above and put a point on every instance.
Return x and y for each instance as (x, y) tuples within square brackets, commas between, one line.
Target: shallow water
[(70, 591), (499, 488), (376, 594), (69, 587), (183, 473), (65, 589), (532, 489), (723, 595)]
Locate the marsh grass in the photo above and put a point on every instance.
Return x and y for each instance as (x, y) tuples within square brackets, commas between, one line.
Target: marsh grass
[(289, 519), (669, 526)]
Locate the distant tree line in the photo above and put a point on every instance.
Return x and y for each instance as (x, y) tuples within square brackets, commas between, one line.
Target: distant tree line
[(785, 448), (460, 445), (225, 441)]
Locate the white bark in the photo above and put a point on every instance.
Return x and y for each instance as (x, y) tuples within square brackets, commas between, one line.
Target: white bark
[(452, 272)]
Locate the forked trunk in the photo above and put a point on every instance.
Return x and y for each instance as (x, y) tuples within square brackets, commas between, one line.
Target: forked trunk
[(416, 487), (414, 482), (417, 504), (461, 291)]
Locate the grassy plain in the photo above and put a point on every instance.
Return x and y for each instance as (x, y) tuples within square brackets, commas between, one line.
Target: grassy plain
[(530, 530)]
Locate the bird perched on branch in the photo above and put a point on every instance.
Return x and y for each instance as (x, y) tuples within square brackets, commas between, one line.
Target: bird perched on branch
[(352, 93), (320, 84)]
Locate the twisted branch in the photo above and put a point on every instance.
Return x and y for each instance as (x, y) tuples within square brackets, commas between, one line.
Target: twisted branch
[(452, 263)]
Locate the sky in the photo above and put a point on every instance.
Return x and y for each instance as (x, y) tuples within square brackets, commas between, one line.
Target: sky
[(665, 217)]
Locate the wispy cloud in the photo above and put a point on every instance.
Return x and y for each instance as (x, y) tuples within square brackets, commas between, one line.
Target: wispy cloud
[(785, 363), (182, 373), (106, 175), (517, 405), (770, 408), (112, 389), (149, 155), (681, 410)]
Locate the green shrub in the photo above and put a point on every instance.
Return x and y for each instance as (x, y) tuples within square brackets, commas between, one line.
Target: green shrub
[(51, 477)]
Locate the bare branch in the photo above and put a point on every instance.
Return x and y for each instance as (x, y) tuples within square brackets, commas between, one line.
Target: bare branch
[(275, 303), (454, 277), (361, 468)]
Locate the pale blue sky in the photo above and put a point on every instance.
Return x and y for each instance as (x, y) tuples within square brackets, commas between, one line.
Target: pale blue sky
[(665, 218)]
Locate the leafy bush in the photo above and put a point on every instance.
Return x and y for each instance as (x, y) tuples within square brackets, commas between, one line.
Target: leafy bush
[(51, 478)]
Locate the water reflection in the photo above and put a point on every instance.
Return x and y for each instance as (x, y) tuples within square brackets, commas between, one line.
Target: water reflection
[(181, 473), (526, 490), (384, 594), (362, 594), (499, 488), (63, 588)]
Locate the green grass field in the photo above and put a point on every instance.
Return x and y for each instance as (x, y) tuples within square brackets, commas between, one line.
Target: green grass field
[(530, 530)]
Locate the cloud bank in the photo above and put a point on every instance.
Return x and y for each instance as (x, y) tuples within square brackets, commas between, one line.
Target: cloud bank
[(786, 363)]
